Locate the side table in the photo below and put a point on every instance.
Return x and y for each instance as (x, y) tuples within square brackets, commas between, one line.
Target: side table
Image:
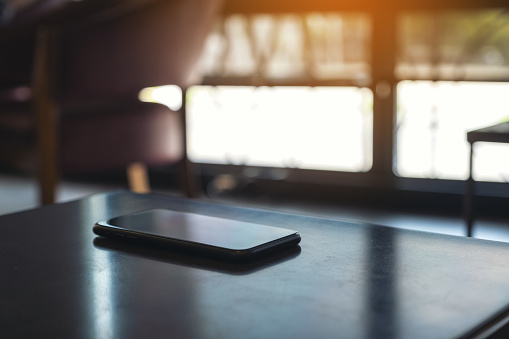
[(497, 133)]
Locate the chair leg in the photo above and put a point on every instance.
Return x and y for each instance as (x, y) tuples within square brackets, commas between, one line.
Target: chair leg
[(187, 176), (46, 114), (188, 179), (137, 178)]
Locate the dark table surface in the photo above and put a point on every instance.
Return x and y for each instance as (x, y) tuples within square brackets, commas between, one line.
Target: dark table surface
[(347, 280), (495, 133)]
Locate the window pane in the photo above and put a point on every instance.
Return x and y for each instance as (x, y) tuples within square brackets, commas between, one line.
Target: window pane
[(313, 46), (328, 128), (454, 45), (432, 121)]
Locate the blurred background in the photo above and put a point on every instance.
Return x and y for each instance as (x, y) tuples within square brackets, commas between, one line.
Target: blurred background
[(337, 108)]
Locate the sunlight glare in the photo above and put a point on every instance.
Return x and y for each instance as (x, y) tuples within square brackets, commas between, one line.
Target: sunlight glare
[(170, 96)]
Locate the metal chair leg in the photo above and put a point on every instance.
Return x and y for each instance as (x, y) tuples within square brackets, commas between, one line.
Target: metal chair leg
[(468, 203)]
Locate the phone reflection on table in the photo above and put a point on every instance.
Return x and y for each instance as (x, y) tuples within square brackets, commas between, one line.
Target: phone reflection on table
[(160, 254)]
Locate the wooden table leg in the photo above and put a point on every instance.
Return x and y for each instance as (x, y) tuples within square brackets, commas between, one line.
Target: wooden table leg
[(186, 175), (137, 177), (46, 115)]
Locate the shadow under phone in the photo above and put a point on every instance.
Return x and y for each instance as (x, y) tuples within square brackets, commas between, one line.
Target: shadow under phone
[(196, 261)]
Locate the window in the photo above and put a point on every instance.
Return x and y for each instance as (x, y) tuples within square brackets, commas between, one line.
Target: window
[(270, 49), (295, 90), (432, 121), (460, 51), (327, 128), (454, 45), (300, 99)]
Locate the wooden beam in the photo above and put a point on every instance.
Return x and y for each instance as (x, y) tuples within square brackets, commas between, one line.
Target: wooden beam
[(292, 6)]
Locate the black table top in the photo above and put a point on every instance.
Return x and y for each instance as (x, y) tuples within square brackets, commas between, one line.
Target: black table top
[(495, 133), (347, 280)]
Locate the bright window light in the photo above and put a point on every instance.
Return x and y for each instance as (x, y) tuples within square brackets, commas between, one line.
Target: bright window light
[(326, 128), (170, 95), (432, 123)]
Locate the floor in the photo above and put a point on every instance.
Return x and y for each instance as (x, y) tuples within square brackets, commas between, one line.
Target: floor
[(18, 193)]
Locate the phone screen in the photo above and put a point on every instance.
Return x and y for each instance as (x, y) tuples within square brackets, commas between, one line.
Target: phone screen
[(188, 229)]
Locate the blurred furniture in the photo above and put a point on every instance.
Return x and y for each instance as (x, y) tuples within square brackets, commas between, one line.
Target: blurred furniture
[(349, 280), (71, 71), (497, 133)]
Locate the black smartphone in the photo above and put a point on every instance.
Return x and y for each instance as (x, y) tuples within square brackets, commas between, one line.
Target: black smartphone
[(198, 234)]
